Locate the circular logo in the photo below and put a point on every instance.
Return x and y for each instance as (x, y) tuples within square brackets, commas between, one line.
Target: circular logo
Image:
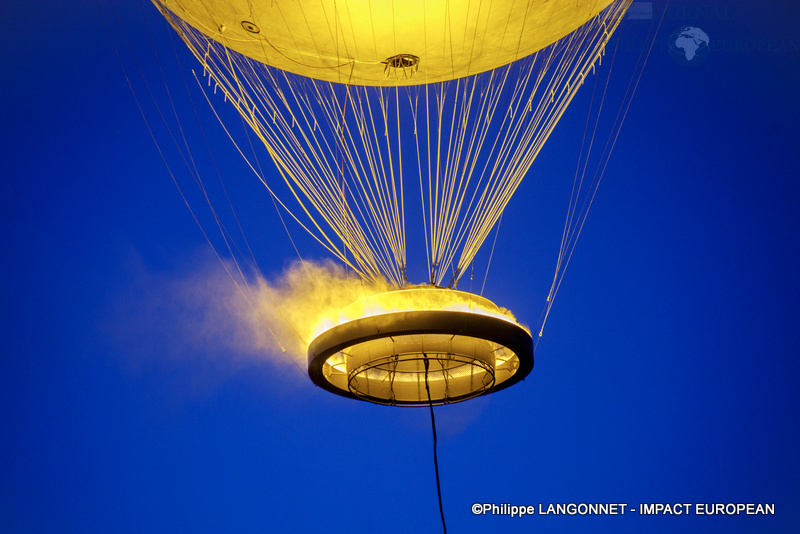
[(689, 46)]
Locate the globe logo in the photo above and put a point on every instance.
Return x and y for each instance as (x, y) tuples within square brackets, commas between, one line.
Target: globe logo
[(689, 46)]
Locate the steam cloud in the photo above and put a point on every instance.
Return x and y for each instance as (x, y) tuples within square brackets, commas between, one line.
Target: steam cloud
[(205, 313), (284, 315)]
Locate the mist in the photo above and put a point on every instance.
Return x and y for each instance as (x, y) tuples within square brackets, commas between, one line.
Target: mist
[(209, 311)]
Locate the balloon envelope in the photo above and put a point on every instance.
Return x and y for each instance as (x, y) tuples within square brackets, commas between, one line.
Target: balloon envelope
[(361, 42)]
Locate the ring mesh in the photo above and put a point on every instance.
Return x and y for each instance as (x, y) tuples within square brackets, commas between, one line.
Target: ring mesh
[(397, 369)]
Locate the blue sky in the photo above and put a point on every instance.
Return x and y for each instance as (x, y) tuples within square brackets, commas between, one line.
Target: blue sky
[(667, 372)]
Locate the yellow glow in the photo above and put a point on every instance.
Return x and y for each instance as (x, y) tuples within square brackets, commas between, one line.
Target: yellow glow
[(310, 298), (415, 298), (284, 313), (397, 367)]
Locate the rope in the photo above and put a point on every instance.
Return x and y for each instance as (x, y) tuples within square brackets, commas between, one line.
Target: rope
[(482, 134)]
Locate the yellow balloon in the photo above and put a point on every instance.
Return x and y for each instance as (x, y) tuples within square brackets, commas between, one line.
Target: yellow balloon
[(370, 106), (383, 42)]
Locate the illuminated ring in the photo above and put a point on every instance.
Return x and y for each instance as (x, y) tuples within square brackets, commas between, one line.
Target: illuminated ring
[(423, 333)]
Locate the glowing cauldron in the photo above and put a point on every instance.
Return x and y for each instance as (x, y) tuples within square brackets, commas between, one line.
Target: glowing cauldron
[(421, 345)]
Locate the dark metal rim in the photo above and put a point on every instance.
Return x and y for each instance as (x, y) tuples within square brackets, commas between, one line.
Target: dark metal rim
[(476, 325)]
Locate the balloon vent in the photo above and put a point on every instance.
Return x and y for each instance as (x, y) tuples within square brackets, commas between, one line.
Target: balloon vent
[(401, 65), (249, 27)]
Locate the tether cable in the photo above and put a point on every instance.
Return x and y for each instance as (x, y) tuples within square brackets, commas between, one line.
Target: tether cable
[(435, 459)]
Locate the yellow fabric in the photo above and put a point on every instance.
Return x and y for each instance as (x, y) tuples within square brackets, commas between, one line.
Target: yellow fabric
[(350, 41)]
